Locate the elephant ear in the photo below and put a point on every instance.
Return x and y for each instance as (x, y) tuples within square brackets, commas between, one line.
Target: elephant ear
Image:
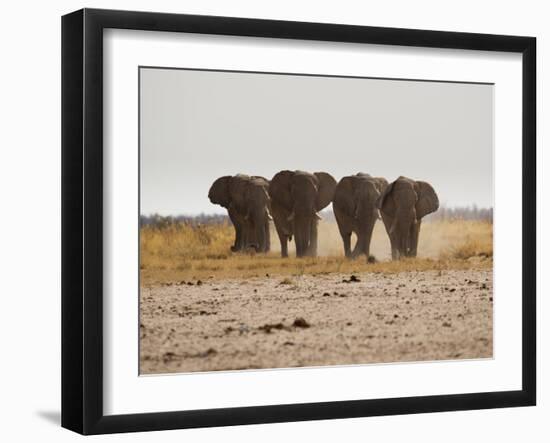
[(385, 203), (280, 189), (325, 191), (427, 199), (219, 191)]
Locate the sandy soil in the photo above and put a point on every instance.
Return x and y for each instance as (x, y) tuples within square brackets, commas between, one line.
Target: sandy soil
[(316, 320)]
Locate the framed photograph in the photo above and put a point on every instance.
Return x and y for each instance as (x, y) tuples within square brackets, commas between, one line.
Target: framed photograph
[(268, 221)]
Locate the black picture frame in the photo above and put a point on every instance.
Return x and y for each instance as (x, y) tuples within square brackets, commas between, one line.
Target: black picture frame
[(82, 219)]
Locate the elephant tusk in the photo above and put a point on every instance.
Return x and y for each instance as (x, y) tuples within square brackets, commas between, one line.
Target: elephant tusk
[(318, 217), (268, 215)]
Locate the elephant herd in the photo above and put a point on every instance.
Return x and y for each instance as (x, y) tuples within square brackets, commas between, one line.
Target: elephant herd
[(293, 199)]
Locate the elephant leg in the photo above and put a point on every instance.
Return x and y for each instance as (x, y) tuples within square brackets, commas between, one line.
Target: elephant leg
[(363, 240), (284, 246), (238, 243), (395, 255), (260, 236), (364, 235), (414, 239), (246, 237), (346, 238), (367, 240), (388, 222), (345, 228), (358, 249), (298, 241), (283, 238), (394, 248), (267, 244)]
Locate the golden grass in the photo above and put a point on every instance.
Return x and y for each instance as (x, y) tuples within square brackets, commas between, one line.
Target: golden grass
[(179, 244), (183, 252), (469, 240)]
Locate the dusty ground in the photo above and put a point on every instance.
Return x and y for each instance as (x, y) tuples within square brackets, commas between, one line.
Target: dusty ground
[(316, 320)]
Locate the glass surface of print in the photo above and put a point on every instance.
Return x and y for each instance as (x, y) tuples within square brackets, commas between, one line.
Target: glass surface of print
[(313, 220), (298, 222)]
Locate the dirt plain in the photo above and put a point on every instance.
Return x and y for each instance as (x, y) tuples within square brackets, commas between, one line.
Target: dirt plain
[(273, 321)]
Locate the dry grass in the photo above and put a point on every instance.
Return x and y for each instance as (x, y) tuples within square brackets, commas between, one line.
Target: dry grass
[(468, 239), (183, 252), (179, 244)]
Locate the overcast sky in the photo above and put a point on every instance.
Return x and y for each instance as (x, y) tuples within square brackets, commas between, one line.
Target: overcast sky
[(199, 125)]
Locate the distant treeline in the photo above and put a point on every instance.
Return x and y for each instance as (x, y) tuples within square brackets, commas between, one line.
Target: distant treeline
[(192, 220), (443, 213), (462, 213)]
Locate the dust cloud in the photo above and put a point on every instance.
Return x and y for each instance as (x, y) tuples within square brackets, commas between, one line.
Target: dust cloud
[(435, 240)]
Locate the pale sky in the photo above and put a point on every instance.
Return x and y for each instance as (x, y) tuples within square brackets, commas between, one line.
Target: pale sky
[(199, 125)]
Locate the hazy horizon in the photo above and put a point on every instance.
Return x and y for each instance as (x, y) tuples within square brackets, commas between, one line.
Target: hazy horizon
[(200, 125), (223, 211)]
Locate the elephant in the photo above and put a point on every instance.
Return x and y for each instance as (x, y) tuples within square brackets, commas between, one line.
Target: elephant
[(355, 210), (247, 202), (296, 199), (402, 205)]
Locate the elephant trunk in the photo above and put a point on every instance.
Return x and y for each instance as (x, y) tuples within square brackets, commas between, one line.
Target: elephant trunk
[(413, 238), (302, 235), (260, 233), (407, 238), (393, 227), (402, 231)]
